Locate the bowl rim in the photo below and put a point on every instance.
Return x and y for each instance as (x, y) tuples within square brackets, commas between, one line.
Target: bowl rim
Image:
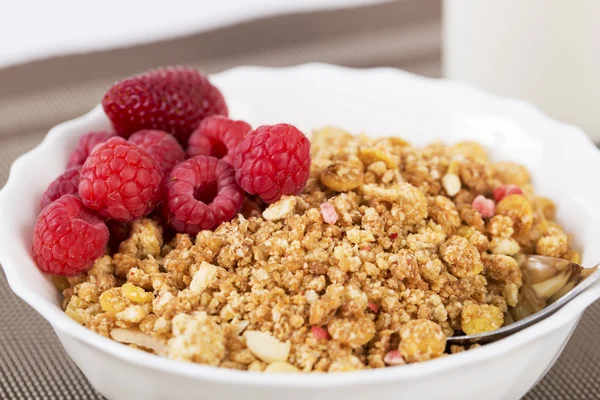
[(505, 107)]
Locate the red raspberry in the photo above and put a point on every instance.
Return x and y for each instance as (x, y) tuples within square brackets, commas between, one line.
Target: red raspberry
[(67, 183), (201, 193), (120, 181), (68, 237), (160, 145), (502, 191), (273, 161), (173, 100), (217, 136), (85, 145)]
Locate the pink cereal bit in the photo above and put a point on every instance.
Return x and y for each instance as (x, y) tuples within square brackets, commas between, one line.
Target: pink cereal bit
[(394, 358), (319, 333), (373, 307), (329, 214), (502, 191), (486, 207)]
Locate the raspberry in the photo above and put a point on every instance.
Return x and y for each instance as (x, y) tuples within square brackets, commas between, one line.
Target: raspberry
[(85, 145), (502, 191), (120, 181), (273, 161), (200, 194), (173, 100), (485, 207), (217, 136), (163, 147), (67, 183), (68, 237)]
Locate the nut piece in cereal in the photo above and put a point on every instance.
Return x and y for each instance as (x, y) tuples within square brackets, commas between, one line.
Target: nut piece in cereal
[(266, 347)]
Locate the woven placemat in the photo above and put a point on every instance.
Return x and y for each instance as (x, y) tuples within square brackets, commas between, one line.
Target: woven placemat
[(33, 364)]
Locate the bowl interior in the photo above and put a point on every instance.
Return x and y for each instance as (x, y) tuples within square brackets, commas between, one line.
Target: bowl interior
[(379, 103)]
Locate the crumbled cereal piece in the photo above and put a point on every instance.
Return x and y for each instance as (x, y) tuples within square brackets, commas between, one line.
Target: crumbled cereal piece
[(546, 206), (421, 340), (480, 318), (136, 294), (443, 211), (80, 310), (411, 201), (322, 310), (352, 331), (516, 207), (342, 177), (346, 364), (555, 243), (282, 208), (503, 268), (501, 245), (145, 239), (464, 197), (112, 302), (471, 216), (133, 314), (573, 256), (511, 173), (369, 155), (473, 150), (461, 257), (501, 226), (198, 338), (204, 277), (455, 348), (476, 176)]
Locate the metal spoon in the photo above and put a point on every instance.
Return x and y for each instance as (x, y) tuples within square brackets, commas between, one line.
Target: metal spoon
[(548, 284)]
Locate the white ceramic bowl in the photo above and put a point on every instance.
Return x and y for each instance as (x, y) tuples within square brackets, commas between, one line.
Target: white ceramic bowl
[(380, 102)]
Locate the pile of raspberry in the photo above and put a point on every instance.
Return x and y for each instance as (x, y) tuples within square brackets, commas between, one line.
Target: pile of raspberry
[(173, 152)]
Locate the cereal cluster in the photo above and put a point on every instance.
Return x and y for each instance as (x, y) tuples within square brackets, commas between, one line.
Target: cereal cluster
[(389, 250)]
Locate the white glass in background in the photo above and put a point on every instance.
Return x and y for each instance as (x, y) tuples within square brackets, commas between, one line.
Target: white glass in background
[(546, 52)]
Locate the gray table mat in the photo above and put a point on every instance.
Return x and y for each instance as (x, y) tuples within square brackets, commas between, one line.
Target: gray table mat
[(33, 364)]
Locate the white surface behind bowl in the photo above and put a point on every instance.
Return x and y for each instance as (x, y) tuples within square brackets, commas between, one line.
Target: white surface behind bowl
[(379, 102)]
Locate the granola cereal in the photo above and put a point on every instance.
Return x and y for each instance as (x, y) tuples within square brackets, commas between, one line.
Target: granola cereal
[(381, 258)]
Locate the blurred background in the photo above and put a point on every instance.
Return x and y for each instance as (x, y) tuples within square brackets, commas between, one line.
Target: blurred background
[(404, 34), (58, 57)]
